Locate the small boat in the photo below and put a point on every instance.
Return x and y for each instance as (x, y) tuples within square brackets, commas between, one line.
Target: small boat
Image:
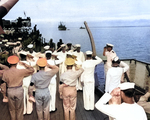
[(62, 27), (82, 27)]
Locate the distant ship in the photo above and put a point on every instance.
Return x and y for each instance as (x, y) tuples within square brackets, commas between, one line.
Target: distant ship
[(82, 27), (62, 27)]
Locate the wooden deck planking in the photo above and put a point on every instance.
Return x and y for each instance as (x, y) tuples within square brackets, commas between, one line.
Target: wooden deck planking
[(81, 113)]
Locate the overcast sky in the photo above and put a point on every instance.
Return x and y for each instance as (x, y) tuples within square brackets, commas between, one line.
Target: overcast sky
[(80, 10)]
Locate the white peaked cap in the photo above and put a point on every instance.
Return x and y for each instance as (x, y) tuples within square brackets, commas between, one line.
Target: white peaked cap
[(46, 47), (9, 43), (63, 45), (30, 46), (48, 51), (23, 52), (14, 43), (6, 45), (19, 38), (6, 40), (78, 45), (2, 36), (116, 58), (18, 42), (111, 45), (126, 85), (89, 52)]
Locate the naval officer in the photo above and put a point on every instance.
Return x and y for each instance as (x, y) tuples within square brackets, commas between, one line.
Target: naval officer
[(110, 54), (28, 106), (14, 79), (52, 87), (41, 81), (128, 110), (87, 78), (69, 92), (81, 57), (113, 78)]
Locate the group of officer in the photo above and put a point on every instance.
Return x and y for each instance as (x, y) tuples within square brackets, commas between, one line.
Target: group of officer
[(35, 71), (75, 73), (118, 93)]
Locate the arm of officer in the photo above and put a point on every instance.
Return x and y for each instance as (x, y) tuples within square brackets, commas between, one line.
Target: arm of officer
[(104, 51), (108, 78), (29, 69), (3, 91), (98, 59), (3, 67), (54, 69), (124, 65), (110, 110)]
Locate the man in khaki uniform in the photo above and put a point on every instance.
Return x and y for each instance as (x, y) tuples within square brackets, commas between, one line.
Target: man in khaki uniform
[(14, 79), (2, 84), (41, 81), (69, 92)]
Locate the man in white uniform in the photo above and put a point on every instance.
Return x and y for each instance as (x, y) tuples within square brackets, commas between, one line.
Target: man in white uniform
[(128, 110), (52, 87), (81, 57), (31, 57), (79, 53), (28, 106), (88, 80), (62, 54), (113, 78), (110, 54)]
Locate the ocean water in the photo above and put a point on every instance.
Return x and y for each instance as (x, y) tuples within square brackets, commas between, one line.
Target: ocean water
[(130, 42)]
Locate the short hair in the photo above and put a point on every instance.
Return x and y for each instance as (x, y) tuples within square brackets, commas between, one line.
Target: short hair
[(118, 62), (89, 56), (48, 55), (41, 67), (18, 44), (129, 92), (69, 65), (22, 56)]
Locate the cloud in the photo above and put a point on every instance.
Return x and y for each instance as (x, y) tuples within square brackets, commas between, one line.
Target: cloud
[(79, 10)]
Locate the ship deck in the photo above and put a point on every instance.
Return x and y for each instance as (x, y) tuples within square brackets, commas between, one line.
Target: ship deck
[(81, 113)]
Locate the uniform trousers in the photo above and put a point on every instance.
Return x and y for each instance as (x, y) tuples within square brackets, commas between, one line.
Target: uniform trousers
[(52, 89), (61, 90), (69, 102), (28, 106), (15, 102), (88, 95), (79, 85), (42, 98)]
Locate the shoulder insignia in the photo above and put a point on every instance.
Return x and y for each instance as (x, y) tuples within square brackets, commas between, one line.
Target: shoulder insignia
[(113, 51)]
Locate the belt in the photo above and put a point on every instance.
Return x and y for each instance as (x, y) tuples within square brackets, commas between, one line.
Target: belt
[(68, 85), (41, 88), (15, 87)]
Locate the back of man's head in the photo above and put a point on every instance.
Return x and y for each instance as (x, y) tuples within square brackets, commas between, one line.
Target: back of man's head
[(129, 92), (48, 55)]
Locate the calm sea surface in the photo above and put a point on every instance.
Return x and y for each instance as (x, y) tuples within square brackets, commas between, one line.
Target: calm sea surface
[(129, 42)]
